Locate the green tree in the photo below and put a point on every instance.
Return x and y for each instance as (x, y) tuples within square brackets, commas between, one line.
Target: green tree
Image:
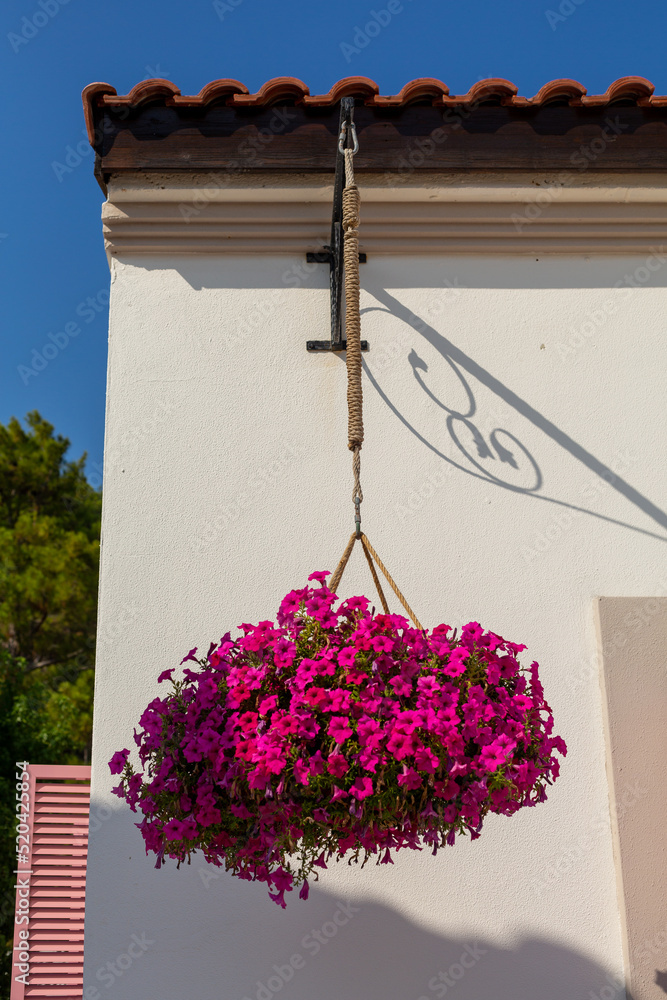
[(49, 553), (49, 550)]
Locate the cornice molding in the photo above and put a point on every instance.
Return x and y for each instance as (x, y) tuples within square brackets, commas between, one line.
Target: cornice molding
[(442, 214)]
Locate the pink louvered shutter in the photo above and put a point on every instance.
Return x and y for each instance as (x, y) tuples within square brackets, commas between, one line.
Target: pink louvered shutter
[(53, 885)]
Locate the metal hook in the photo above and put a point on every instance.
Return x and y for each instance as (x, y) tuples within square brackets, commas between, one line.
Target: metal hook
[(343, 136), (357, 516)]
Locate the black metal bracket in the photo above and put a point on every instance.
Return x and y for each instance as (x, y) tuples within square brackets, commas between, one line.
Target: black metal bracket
[(332, 254)]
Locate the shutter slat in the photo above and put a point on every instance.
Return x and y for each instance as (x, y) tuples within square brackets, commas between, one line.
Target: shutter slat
[(66, 880), (42, 925), (43, 803), (66, 994), (75, 808), (54, 938), (82, 789)]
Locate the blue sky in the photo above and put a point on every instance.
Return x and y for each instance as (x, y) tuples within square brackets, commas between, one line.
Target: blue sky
[(55, 275)]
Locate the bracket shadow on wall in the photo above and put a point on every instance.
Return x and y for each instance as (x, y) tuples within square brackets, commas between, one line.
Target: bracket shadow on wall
[(333, 253)]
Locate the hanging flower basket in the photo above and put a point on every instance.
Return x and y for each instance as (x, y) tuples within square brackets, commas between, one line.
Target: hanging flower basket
[(337, 733)]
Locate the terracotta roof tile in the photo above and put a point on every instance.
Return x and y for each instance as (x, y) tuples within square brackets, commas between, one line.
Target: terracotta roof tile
[(634, 89)]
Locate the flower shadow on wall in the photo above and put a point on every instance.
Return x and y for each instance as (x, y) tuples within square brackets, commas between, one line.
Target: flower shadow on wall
[(514, 467), (214, 938)]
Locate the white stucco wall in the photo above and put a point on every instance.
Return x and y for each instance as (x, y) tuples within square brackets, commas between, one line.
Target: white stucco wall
[(227, 482)]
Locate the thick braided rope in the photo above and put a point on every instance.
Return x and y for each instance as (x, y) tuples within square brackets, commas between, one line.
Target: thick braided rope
[(369, 552), (351, 203), (334, 583), (389, 580), (355, 426), (376, 581)]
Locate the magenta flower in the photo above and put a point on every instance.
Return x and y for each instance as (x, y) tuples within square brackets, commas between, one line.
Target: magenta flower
[(455, 665), (284, 653), (362, 788), (401, 686), (286, 725), (356, 676), (409, 778), (248, 722), (266, 705), (189, 828), (340, 729), (402, 745), (301, 772), (496, 753), (526, 774), (370, 733), (426, 760), (282, 880), (173, 829), (446, 789), (318, 697), (338, 765), (428, 686), (347, 656), (291, 603), (339, 700), (369, 760), (118, 761)]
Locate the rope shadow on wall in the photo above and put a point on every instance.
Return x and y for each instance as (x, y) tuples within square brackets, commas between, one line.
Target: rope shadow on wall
[(460, 362)]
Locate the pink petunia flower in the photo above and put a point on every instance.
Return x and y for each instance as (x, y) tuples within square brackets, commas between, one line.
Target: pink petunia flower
[(426, 760), (362, 788), (369, 760), (118, 761), (496, 753), (409, 778), (446, 789), (401, 686), (301, 772), (337, 765), (428, 686), (382, 644), (340, 729), (317, 697), (173, 830), (266, 705), (455, 665), (285, 725), (346, 656)]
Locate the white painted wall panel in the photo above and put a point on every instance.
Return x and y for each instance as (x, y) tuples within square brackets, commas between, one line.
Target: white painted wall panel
[(227, 482)]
